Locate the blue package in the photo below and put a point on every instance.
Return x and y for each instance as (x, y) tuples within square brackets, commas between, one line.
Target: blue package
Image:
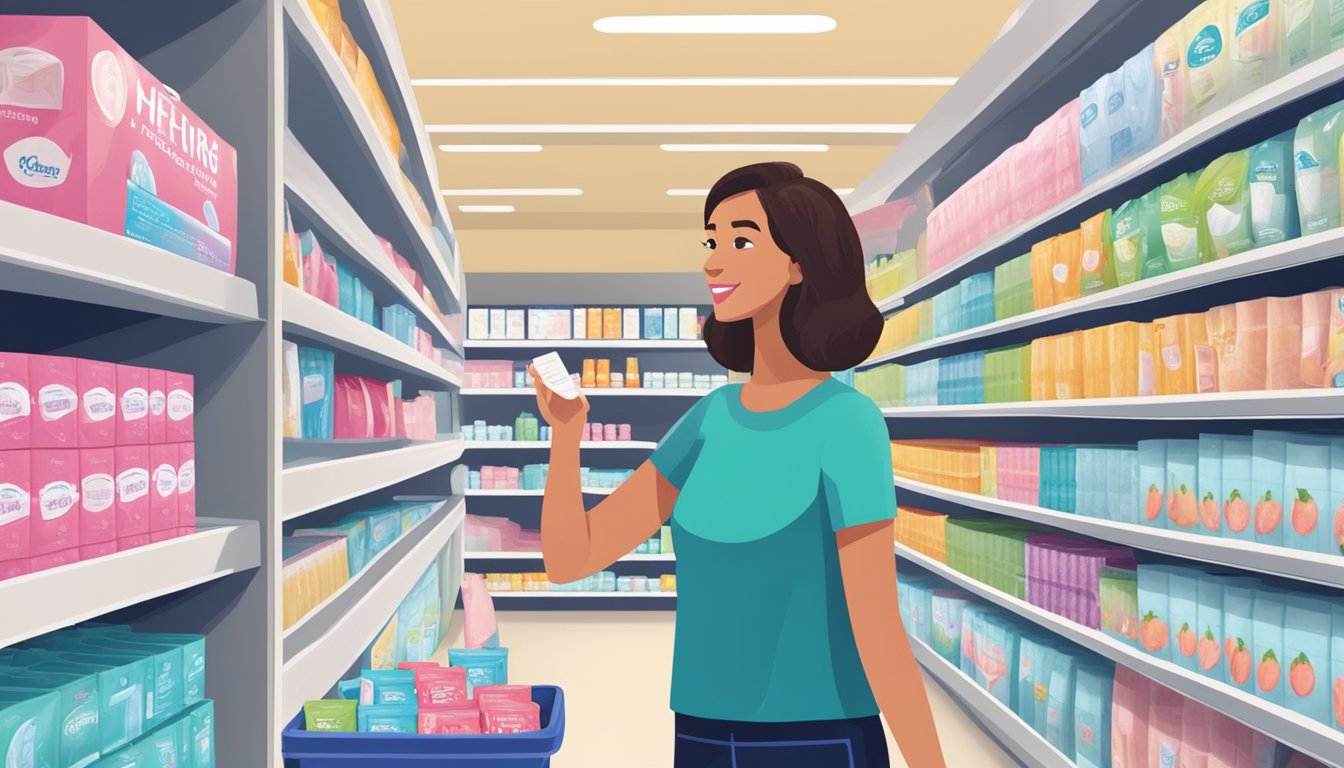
[(485, 666), (388, 718), (317, 374), (653, 323), (386, 686), (347, 292)]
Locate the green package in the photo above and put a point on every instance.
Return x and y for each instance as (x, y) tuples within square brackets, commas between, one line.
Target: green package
[(1154, 250), (1128, 242), (335, 716), (1180, 238), (1222, 207)]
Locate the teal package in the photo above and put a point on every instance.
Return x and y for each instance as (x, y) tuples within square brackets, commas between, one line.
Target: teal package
[(347, 294), (1268, 454), (1306, 657), (1153, 482), (388, 718), (1183, 607), (384, 527), (485, 666), (653, 323), (1092, 715), (1239, 633), (169, 681), (1306, 489), (386, 686), (317, 373), (193, 661), (1059, 712), (202, 734), (1210, 483), (348, 689), (29, 731), (1031, 664), (122, 695), (1237, 492), (76, 710)]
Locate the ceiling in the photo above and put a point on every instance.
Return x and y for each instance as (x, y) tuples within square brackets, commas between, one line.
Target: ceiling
[(594, 137)]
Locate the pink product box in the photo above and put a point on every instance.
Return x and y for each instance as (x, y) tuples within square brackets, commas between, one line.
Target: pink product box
[(156, 536), (10, 569), (56, 559), (623, 433), (609, 432), (181, 407), (16, 402), (449, 722), (132, 464), (90, 551), (132, 405), (163, 463), (16, 509), (186, 488), (55, 522), (158, 406), (353, 416), (598, 431), (97, 497), (52, 382), (96, 383), (510, 717), (90, 135), (131, 542)]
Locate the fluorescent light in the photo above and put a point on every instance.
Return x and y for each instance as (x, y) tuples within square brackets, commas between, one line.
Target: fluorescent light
[(680, 82), (745, 147), (817, 128), (723, 24), (501, 192), (687, 192), (489, 147), (486, 208)]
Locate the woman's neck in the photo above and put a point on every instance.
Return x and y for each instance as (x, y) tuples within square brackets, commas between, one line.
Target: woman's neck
[(774, 363)]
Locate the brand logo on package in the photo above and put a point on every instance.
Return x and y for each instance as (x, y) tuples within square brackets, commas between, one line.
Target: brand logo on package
[(1114, 103), (1088, 115), (99, 492), (100, 404), (186, 476), (180, 405), (14, 503), (157, 402), (132, 484), (165, 113), (1205, 46), (1304, 161), (37, 162), (134, 404), (55, 402), (55, 499), (165, 480), (1257, 11), (14, 402), (78, 722)]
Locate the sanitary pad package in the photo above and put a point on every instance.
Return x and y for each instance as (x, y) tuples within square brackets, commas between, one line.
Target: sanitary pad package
[(88, 134)]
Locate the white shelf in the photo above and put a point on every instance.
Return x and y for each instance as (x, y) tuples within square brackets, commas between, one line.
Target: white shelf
[(1245, 555), (559, 594), (521, 492), (47, 255), (1309, 79), (308, 487), (1289, 727), (363, 128), (1259, 261), (1279, 404), (540, 444), (58, 597), (537, 556), (1029, 747), (593, 392), (311, 318), (894, 301), (344, 230), (585, 343), (320, 649)]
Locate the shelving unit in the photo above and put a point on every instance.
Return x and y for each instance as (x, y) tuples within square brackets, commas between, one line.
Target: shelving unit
[(614, 445), (580, 595), (537, 556), (1244, 555), (1255, 406), (522, 492), (1289, 727), (1029, 747), (318, 484), (585, 344), (591, 392)]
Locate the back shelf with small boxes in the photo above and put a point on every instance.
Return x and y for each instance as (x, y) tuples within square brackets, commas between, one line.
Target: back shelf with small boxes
[(639, 350)]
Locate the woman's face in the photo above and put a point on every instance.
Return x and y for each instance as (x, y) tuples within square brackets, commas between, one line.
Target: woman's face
[(746, 271)]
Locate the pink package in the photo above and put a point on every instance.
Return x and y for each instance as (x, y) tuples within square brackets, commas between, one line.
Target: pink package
[(90, 551), (353, 421), (510, 717), (181, 388), (97, 496), (16, 508), (1068, 154), (131, 542), (132, 405), (16, 402), (10, 569), (55, 523), (94, 137), (519, 693), (156, 536), (448, 722), (587, 432), (186, 488), (598, 431), (623, 433), (158, 405), (1164, 726), (480, 628), (513, 474), (441, 685), (96, 383), (380, 406), (609, 432), (132, 464), (163, 462), (56, 559), (51, 380)]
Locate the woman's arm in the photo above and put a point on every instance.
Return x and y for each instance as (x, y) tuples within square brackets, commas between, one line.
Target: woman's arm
[(576, 543), (868, 569)]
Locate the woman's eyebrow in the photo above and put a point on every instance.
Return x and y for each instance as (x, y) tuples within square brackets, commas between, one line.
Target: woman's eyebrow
[(744, 223), (710, 227)]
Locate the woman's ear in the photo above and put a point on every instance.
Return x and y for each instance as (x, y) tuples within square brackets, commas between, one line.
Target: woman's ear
[(795, 273)]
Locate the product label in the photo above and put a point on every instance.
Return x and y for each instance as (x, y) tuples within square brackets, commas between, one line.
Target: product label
[(1060, 272), (15, 503), (165, 480), (1304, 161), (186, 476), (1091, 260), (1041, 692), (99, 491), (314, 388), (1088, 115), (1171, 357), (180, 405), (1206, 368), (1166, 754), (1204, 46), (55, 499), (99, 404), (158, 402), (37, 162), (132, 484), (14, 402), (1252, 14), (79, 721), (134, 404), (1267, 171), (1088, 735), (55, 402), (1115, 102), (1146, 374)]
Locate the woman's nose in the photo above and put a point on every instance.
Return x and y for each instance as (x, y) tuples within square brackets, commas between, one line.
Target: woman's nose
[(711, 271)]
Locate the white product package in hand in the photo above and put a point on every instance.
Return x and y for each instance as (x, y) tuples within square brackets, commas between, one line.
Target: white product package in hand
[(480, 629), (552, 371)]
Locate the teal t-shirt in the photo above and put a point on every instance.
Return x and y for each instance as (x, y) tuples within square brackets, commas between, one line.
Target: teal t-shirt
[(763, 631)]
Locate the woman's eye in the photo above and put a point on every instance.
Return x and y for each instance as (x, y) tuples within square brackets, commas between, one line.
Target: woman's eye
[(743, 243), (710, 244)]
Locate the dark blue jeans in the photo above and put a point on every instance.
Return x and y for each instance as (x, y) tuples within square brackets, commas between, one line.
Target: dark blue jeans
[(857, 743)]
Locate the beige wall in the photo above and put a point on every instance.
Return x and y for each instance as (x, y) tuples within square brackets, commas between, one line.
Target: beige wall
[(615, 669)]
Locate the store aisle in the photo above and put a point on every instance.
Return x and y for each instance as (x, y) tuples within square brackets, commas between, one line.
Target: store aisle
[(613, 664)]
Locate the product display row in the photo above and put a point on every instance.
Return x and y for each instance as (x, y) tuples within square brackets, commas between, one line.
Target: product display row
[(532, 477), (112, 147), (527, 429), (606, 581), (322, 405), (103, 695), (596, 373), (484, 533), (562, 323)]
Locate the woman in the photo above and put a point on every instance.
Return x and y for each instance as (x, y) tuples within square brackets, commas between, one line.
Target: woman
[(780, 498)]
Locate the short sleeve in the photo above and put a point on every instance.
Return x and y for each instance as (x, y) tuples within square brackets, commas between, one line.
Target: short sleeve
[(677, 451), (856, 465)]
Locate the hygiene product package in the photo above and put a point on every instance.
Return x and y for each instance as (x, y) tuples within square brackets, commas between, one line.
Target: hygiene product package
[(1316, 151), (1208, 86), (1178, 220), (1222, 207), (1273, 192)]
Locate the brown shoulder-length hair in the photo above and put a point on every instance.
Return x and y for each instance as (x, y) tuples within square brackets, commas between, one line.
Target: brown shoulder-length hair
[(828, 321)]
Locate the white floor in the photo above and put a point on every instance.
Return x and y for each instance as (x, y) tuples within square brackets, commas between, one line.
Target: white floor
[(615, 669)]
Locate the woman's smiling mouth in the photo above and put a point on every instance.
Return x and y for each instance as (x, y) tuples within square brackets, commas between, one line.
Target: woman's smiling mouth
[(721, 292)]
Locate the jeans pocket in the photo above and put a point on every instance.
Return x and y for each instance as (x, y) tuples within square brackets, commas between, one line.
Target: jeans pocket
[(693, 752), (836, 753)]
